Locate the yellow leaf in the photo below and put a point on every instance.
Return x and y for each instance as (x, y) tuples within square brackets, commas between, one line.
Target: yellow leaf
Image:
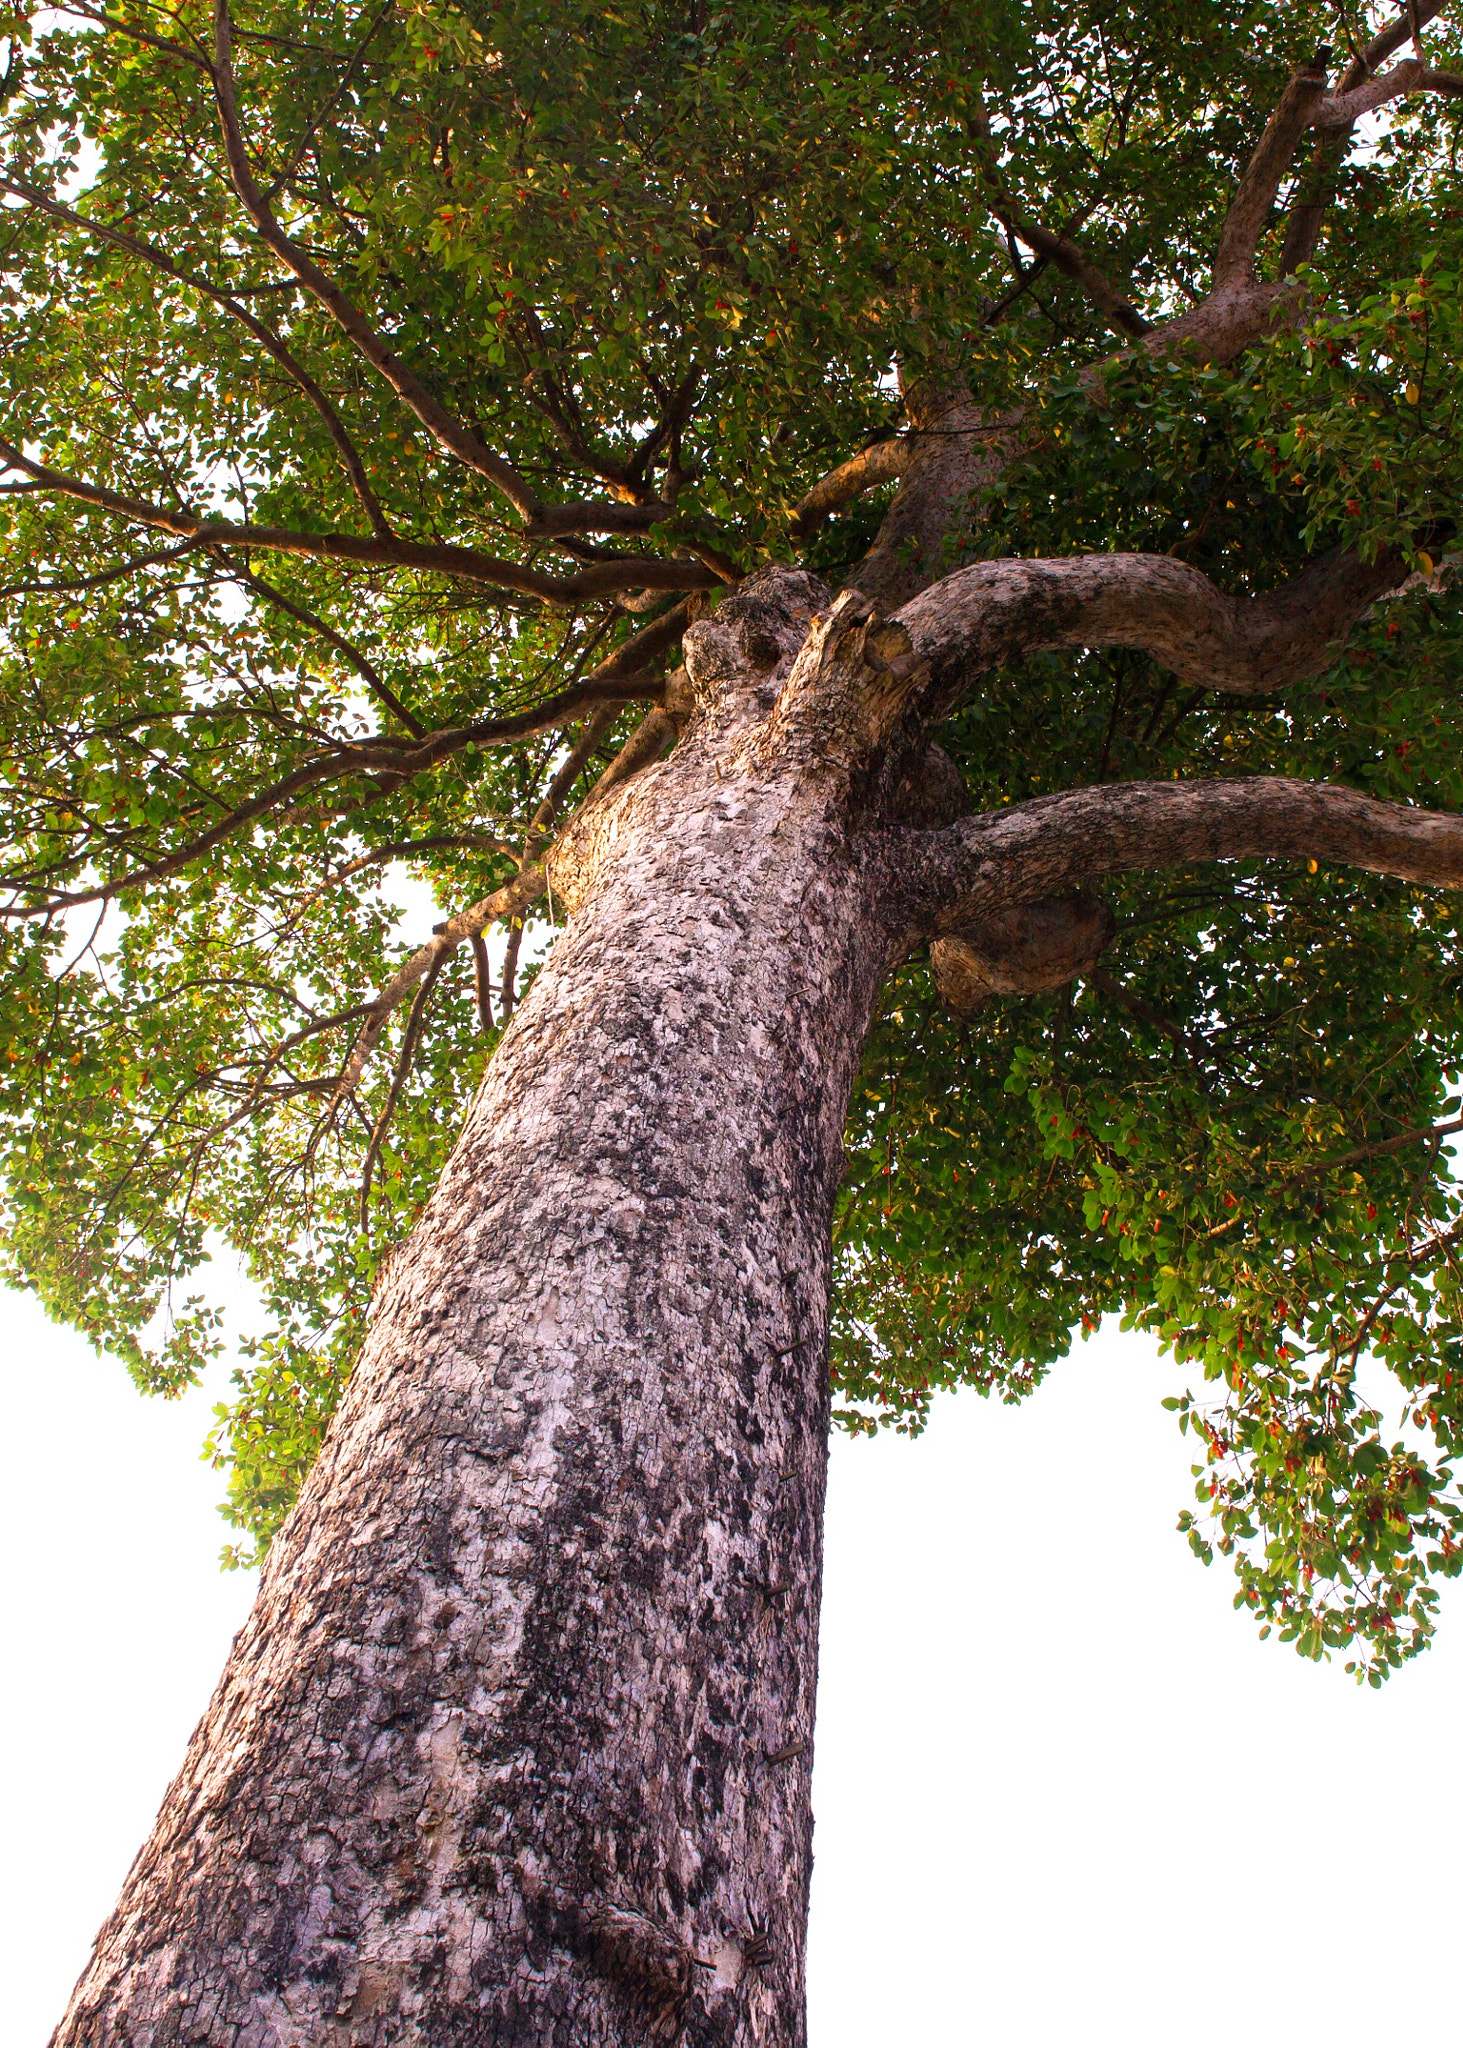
[(1424, 562), (1413, 394)]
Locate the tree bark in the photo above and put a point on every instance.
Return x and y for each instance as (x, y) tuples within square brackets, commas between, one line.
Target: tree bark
[(515, 1746)]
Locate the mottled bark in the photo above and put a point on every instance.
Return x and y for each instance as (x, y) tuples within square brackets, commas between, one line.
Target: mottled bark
[(971, 875), (515, 1746), (995, 612)]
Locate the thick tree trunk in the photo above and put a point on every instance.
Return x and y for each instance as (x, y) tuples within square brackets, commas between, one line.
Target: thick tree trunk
[(515, 1747)]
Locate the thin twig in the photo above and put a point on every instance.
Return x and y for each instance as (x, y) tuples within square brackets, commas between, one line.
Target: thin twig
[(409, 1043), (482, 981)]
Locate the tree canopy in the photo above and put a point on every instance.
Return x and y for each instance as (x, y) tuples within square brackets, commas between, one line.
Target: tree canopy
[(383, 390)]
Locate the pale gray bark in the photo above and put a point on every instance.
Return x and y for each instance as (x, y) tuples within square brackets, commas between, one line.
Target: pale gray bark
[(995, 612), (979, 867), (515, 1746)]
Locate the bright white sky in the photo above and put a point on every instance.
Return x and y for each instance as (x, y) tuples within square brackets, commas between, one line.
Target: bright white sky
[(1064, 1796)]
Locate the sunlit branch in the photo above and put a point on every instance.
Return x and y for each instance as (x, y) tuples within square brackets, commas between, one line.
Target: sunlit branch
[(880, 463), (1308, 1169), (411, 1039), (1340, 110)]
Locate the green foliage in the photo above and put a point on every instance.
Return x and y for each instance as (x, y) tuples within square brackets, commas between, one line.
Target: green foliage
[(679, 249), (1206, 1143)]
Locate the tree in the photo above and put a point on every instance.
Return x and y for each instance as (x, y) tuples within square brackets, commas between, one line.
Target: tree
[(921, 534)]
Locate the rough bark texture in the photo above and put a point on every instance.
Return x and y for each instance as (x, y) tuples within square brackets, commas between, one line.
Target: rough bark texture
[(515, 1746), (981, 866), (995, 612)]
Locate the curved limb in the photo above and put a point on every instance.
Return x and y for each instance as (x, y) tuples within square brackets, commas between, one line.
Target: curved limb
[(980, 866)]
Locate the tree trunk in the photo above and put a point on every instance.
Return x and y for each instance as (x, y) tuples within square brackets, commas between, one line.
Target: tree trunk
[(515, 1747)]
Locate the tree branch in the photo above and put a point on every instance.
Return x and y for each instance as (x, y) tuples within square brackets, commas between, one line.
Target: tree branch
[(185, 51), (542, 823), (1058, 250), (1307, 1170), (643, 745), (877, 464), (541, 522), (1308, 211), (315, 124), (268, 340), (366, 670), (604, 578), (1193, 1049), (515, 896), (996, 612), (385, 753), (441, 424), (1249, 210), (401, 849), (412, 1039), (1063, 254), (1339, 110), (1029, 851), (482, 982), (154, 558)]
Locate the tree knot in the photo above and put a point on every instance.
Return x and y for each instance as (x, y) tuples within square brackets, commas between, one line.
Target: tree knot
[(1022, 951), (753, 636)]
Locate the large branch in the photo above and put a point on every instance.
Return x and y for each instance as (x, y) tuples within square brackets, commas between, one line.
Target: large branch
[(605, 577), (1359, 88), (877, 464), (1249, 210), (1340, 110), (996, 612), (1031, 851)]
